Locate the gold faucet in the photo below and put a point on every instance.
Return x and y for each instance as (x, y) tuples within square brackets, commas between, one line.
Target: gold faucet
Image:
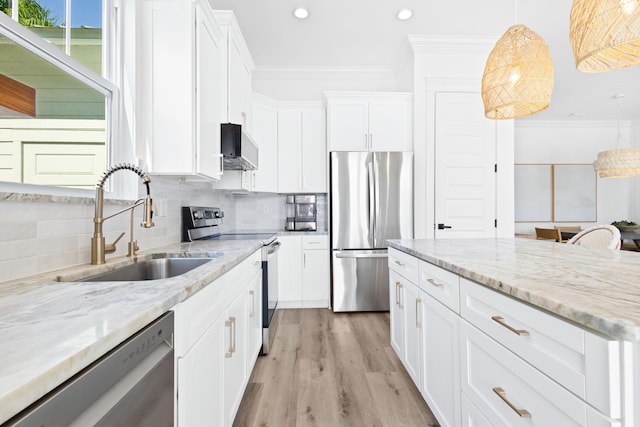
[(98, 246)]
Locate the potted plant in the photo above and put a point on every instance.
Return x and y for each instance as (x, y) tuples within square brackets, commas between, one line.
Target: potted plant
[(625, 225)]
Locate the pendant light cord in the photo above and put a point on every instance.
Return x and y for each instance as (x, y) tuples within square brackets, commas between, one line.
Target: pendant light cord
[(618, 98)]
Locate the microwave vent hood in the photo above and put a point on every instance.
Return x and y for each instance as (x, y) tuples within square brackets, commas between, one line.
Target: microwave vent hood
[(238, 149)]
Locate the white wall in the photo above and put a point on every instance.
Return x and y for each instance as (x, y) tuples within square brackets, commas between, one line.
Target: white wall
[(578, 142), (44, 233)]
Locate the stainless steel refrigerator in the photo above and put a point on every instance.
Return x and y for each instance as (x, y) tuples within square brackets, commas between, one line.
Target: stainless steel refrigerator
[(371, 201)]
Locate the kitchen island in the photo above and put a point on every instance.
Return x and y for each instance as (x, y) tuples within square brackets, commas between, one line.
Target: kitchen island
[(528, 332), (52, 327)]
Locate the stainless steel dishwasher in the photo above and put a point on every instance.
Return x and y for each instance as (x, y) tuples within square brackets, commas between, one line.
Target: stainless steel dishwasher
[(132, 385)]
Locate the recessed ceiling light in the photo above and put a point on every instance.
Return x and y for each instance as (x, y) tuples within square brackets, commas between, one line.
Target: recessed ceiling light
[(301, 13), (404, 14)]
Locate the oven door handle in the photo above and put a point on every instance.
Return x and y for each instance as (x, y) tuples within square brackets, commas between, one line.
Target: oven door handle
[(273, 248)]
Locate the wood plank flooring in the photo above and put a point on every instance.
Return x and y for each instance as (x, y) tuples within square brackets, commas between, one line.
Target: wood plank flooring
[(331, 370)]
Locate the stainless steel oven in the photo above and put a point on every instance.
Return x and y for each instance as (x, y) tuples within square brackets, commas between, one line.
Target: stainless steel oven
[(132, 385), (202, 223)]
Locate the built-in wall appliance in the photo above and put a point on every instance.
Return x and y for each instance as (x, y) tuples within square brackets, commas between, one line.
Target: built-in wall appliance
[(132, 385), (239, 151), (301, 212), (202, 223), (371, 201)]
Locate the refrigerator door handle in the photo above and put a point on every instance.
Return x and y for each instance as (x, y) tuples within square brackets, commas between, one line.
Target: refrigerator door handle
[(372, 201), (361, 254)]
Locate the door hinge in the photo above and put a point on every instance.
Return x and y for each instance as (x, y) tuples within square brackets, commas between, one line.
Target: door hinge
[(495, 223), (495, 167)]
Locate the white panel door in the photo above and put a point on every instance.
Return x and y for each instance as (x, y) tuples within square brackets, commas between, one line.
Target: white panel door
[(235, 357), (314, 151), (465, 158), (289, 150), (412, 331), (396, 312), (235, 76)]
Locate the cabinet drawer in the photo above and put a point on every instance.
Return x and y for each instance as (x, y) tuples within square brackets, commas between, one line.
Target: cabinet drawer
[(240, 275), (510, 392), (441, 284), (569, 354), (315, 242), (195, 315), (404, 264)]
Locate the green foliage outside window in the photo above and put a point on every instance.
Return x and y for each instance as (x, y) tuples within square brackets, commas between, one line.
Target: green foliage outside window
[(30, 13)]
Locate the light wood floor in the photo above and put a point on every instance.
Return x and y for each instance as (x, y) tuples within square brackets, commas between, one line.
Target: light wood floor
[(331, 370)]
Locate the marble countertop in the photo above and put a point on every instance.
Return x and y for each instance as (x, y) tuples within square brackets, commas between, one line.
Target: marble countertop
[(596, 288), (52, 327)]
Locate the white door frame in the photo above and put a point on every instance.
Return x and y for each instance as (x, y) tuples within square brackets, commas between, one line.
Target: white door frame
[(504, 158)]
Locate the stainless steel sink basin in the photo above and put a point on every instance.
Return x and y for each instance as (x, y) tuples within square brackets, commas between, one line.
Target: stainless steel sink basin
[(151, 269)]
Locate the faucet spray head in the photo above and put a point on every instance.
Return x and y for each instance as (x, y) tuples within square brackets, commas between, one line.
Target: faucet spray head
[(148, 213)]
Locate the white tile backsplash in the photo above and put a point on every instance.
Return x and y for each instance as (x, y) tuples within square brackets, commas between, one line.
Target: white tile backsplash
[(38, 236)]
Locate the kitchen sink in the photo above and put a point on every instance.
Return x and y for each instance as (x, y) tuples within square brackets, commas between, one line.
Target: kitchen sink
[(151, 269)]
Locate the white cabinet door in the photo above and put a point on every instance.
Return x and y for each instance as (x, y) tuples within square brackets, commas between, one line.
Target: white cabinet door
[(254, 313), (245, 98), (289, 150), (290, 272), (315, 279), (265, 133), (369, 121), (412, 312), (471, 417), (208, 91), (235, 354), (234, 81), (314, 151), (396, 312), (200, 389), (348, 124), (441, 361), (390, 124)]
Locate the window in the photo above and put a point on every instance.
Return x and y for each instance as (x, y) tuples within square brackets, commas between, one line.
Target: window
[(70, 139)]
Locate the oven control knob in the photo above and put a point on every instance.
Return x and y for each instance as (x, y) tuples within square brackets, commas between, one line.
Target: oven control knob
[(198, 215), (219, 214)]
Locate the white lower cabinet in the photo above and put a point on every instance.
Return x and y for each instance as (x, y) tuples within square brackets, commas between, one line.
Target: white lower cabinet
[(440, 361), (216, 345), (481, 358), (200, 391), (471, 417), (303, 271)]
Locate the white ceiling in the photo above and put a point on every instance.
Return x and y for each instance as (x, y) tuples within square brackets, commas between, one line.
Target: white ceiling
[(366, 33)]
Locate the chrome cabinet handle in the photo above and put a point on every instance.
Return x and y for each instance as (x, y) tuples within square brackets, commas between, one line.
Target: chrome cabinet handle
[(436, 284), (229, 323), (399, 263), (366, 142), (370, 140), (500, 320), (400, 302), (418, 322), (523, 413), (253, 303)]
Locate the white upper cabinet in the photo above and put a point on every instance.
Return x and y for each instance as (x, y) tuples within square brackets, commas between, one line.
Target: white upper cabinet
[(182, 56), (369, 121), (302, 156), (236, 72), (264, 114)]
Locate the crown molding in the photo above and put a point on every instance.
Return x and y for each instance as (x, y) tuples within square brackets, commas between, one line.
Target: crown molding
[(533, 124), (460, 44), (320, 73)]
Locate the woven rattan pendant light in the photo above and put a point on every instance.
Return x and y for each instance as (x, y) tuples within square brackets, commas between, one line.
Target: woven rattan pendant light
[(605, 34), (518, 76), (620, 162)]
